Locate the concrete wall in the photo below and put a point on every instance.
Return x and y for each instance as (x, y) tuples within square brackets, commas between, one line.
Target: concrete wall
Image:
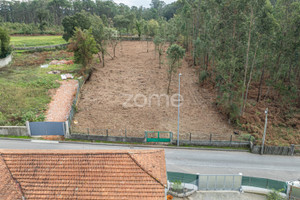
[(214, 143), (273, 150), (106, 138), (5, 61), (14, 130)]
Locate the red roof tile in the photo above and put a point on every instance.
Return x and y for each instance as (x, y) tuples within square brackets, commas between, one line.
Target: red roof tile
[(52, 174)]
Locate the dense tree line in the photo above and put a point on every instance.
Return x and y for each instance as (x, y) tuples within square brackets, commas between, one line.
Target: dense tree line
[(52, 12), (235, 44)]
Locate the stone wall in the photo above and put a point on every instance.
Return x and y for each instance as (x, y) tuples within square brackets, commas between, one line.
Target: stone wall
[(273, 150), (5, 61), (14, 130)]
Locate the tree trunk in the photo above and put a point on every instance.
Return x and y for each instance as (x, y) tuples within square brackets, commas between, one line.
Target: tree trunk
[(260, 82), (170, 78), (103, 63), (99, 57), (247, 60), (147, 46), (250, 77)]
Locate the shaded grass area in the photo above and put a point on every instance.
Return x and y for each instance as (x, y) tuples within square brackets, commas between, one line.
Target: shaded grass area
[(34, 41), (25, 87)]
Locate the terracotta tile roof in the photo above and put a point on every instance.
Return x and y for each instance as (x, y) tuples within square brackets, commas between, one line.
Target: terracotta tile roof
[(9, 188), (53, 174)]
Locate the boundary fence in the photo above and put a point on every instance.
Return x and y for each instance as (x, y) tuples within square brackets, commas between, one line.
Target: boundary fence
[(166, 136), (227, 182), (274, 150), (297, 150), (207, 182), (294, 193), (265, 183)]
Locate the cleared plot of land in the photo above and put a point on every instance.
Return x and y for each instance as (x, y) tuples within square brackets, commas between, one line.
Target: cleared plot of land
[(136, 73), (34, 41)]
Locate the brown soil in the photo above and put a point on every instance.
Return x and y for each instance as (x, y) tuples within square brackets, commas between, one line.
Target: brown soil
[(135, 71)]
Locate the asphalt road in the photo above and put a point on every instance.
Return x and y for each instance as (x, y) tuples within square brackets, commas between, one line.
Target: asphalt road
[(195, 161)]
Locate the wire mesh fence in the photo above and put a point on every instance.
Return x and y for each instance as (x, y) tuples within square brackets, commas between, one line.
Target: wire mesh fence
[(200, 136), (108, 132), (184, 137), (294, 193), (297, 150)]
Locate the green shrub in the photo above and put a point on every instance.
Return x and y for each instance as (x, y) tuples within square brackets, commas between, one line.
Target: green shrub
[(203, 76), (177, 186), (32, 117), (5, 49), (274, 195)]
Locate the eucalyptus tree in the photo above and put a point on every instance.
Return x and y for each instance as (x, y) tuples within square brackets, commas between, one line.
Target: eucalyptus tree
[(175, 54), (100, 35)]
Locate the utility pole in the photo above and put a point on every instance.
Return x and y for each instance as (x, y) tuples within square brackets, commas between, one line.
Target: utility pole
[(178, 111), (265, 130)]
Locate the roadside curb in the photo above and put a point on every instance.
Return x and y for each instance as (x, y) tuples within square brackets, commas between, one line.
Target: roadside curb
[(154, 146), (129, 145)]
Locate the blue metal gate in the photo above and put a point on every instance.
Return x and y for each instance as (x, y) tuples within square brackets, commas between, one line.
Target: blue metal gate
[(47, 128)]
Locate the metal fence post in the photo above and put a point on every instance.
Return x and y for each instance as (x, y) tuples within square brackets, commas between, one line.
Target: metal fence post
[(292, 149), (125, 133), (210, 138), (198, 181), (190, 137), (106, 132), (88, 131)]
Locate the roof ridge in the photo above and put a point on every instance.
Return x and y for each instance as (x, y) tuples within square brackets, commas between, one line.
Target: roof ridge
[(16, 182), (138, 164)]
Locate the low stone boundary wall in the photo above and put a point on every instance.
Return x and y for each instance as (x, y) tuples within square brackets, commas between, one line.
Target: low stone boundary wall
[(5, 61), (14, 130), (106, 138), (41, 47), (273, 150), (214, 143)]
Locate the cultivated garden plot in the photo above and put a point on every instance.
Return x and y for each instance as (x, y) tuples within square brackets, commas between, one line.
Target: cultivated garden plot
[(125, 95)]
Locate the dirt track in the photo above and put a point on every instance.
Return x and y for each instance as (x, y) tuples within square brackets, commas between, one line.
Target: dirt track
[(135, 71)]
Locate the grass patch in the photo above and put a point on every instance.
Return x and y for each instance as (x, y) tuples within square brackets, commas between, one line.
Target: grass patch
[(18, 137), (34, 41), (25, 86)]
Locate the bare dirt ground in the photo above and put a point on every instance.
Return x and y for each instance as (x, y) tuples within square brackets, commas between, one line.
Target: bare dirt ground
[(60, 106), (136, 72)]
